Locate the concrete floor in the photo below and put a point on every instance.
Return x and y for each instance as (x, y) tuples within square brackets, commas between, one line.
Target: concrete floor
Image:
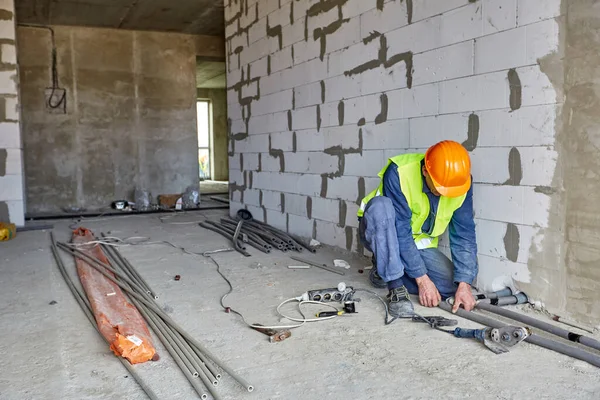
[(51, 351), (214, 187)]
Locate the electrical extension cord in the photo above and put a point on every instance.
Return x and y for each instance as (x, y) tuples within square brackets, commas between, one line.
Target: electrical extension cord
[(302, 300)]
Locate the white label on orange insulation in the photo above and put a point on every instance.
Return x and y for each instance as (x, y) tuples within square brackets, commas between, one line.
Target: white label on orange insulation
[(135, 340)]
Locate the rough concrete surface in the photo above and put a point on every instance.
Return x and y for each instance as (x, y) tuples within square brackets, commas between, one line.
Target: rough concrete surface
[(204, 17), (51, 351), (581, 139), (130, 119)]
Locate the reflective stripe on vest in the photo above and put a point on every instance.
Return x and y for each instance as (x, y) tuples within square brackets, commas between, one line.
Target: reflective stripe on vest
[(411, 184)]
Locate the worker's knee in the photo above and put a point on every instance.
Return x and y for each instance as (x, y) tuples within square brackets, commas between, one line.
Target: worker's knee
[(440, 270), (379, 208)]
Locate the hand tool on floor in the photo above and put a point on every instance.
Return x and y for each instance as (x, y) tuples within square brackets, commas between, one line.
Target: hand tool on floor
[(538, 340), (435, 321), (349, 308), (498, 340), (273, 334)]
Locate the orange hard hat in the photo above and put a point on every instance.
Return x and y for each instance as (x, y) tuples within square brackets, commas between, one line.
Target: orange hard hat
[(449, 167)]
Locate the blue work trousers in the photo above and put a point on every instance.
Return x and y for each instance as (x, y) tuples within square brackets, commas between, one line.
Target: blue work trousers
[(378, 234)]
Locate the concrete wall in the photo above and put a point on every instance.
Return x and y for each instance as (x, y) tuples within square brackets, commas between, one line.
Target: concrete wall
[(580, 158), (130, 119), (322, 92), (11, 154), (220, 158)]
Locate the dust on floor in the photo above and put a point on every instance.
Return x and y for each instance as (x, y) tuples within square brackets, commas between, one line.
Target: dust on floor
[(214, 187), (49, 351)]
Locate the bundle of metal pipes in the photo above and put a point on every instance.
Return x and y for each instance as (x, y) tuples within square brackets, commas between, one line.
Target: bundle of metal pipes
[(257, 234), (195, 361)]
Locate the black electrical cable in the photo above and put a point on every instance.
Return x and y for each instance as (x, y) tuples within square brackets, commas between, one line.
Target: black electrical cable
[(387, 319), (54, 68)]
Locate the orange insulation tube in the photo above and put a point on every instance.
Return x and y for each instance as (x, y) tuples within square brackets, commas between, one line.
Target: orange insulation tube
[(118, 320)]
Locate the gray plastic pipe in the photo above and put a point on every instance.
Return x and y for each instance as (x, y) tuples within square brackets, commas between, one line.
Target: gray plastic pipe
[(119, 263), (555, 330), (126, 265), (86, 308), (493, 295), (175, 343), (519, 298), (94, 262), (541, 341), (102, 268), (115, 261), (179, 360)]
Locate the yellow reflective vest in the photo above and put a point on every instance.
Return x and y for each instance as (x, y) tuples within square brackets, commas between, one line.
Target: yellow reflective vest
[(411, 184)]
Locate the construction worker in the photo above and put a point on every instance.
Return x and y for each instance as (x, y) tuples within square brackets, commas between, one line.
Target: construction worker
[(419, 196)]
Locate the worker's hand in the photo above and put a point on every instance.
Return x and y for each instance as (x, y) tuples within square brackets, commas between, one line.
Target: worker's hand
[(429, 296), (463, 296)]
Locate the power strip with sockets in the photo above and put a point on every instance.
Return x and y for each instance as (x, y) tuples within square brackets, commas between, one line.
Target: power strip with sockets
[(332, 294)]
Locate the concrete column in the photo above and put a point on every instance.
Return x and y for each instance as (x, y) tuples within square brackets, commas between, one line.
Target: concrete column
[(11, 149)]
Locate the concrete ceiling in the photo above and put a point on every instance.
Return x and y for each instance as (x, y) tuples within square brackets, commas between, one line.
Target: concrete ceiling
[(200, 17), (211, 75)]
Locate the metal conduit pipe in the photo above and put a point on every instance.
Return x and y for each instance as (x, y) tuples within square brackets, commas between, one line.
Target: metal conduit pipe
[(86, 308), (541, 341), (555, 330), (100, 267)]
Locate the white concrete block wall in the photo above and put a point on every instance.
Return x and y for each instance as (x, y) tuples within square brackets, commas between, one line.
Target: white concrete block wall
[(12, 203), (329, 112)]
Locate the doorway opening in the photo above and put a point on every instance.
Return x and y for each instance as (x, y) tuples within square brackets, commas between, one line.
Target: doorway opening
[(213, 132), (204, 111)]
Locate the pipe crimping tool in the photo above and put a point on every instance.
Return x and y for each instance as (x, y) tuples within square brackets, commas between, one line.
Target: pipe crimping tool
[(435, 321)]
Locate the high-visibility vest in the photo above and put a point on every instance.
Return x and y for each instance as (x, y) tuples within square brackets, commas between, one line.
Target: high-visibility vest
[(411, 184)]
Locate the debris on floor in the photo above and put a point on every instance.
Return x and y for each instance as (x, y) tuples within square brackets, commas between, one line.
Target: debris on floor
[(167, 201), (341, 264), (7, 231)]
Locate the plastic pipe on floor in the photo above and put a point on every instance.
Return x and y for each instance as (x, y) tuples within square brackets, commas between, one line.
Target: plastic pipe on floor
[(541, 341), (86, 308), (102, 268), (555, 330)]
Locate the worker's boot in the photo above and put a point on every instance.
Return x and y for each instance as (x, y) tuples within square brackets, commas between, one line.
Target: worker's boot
[(374, 277), (399, 304)]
